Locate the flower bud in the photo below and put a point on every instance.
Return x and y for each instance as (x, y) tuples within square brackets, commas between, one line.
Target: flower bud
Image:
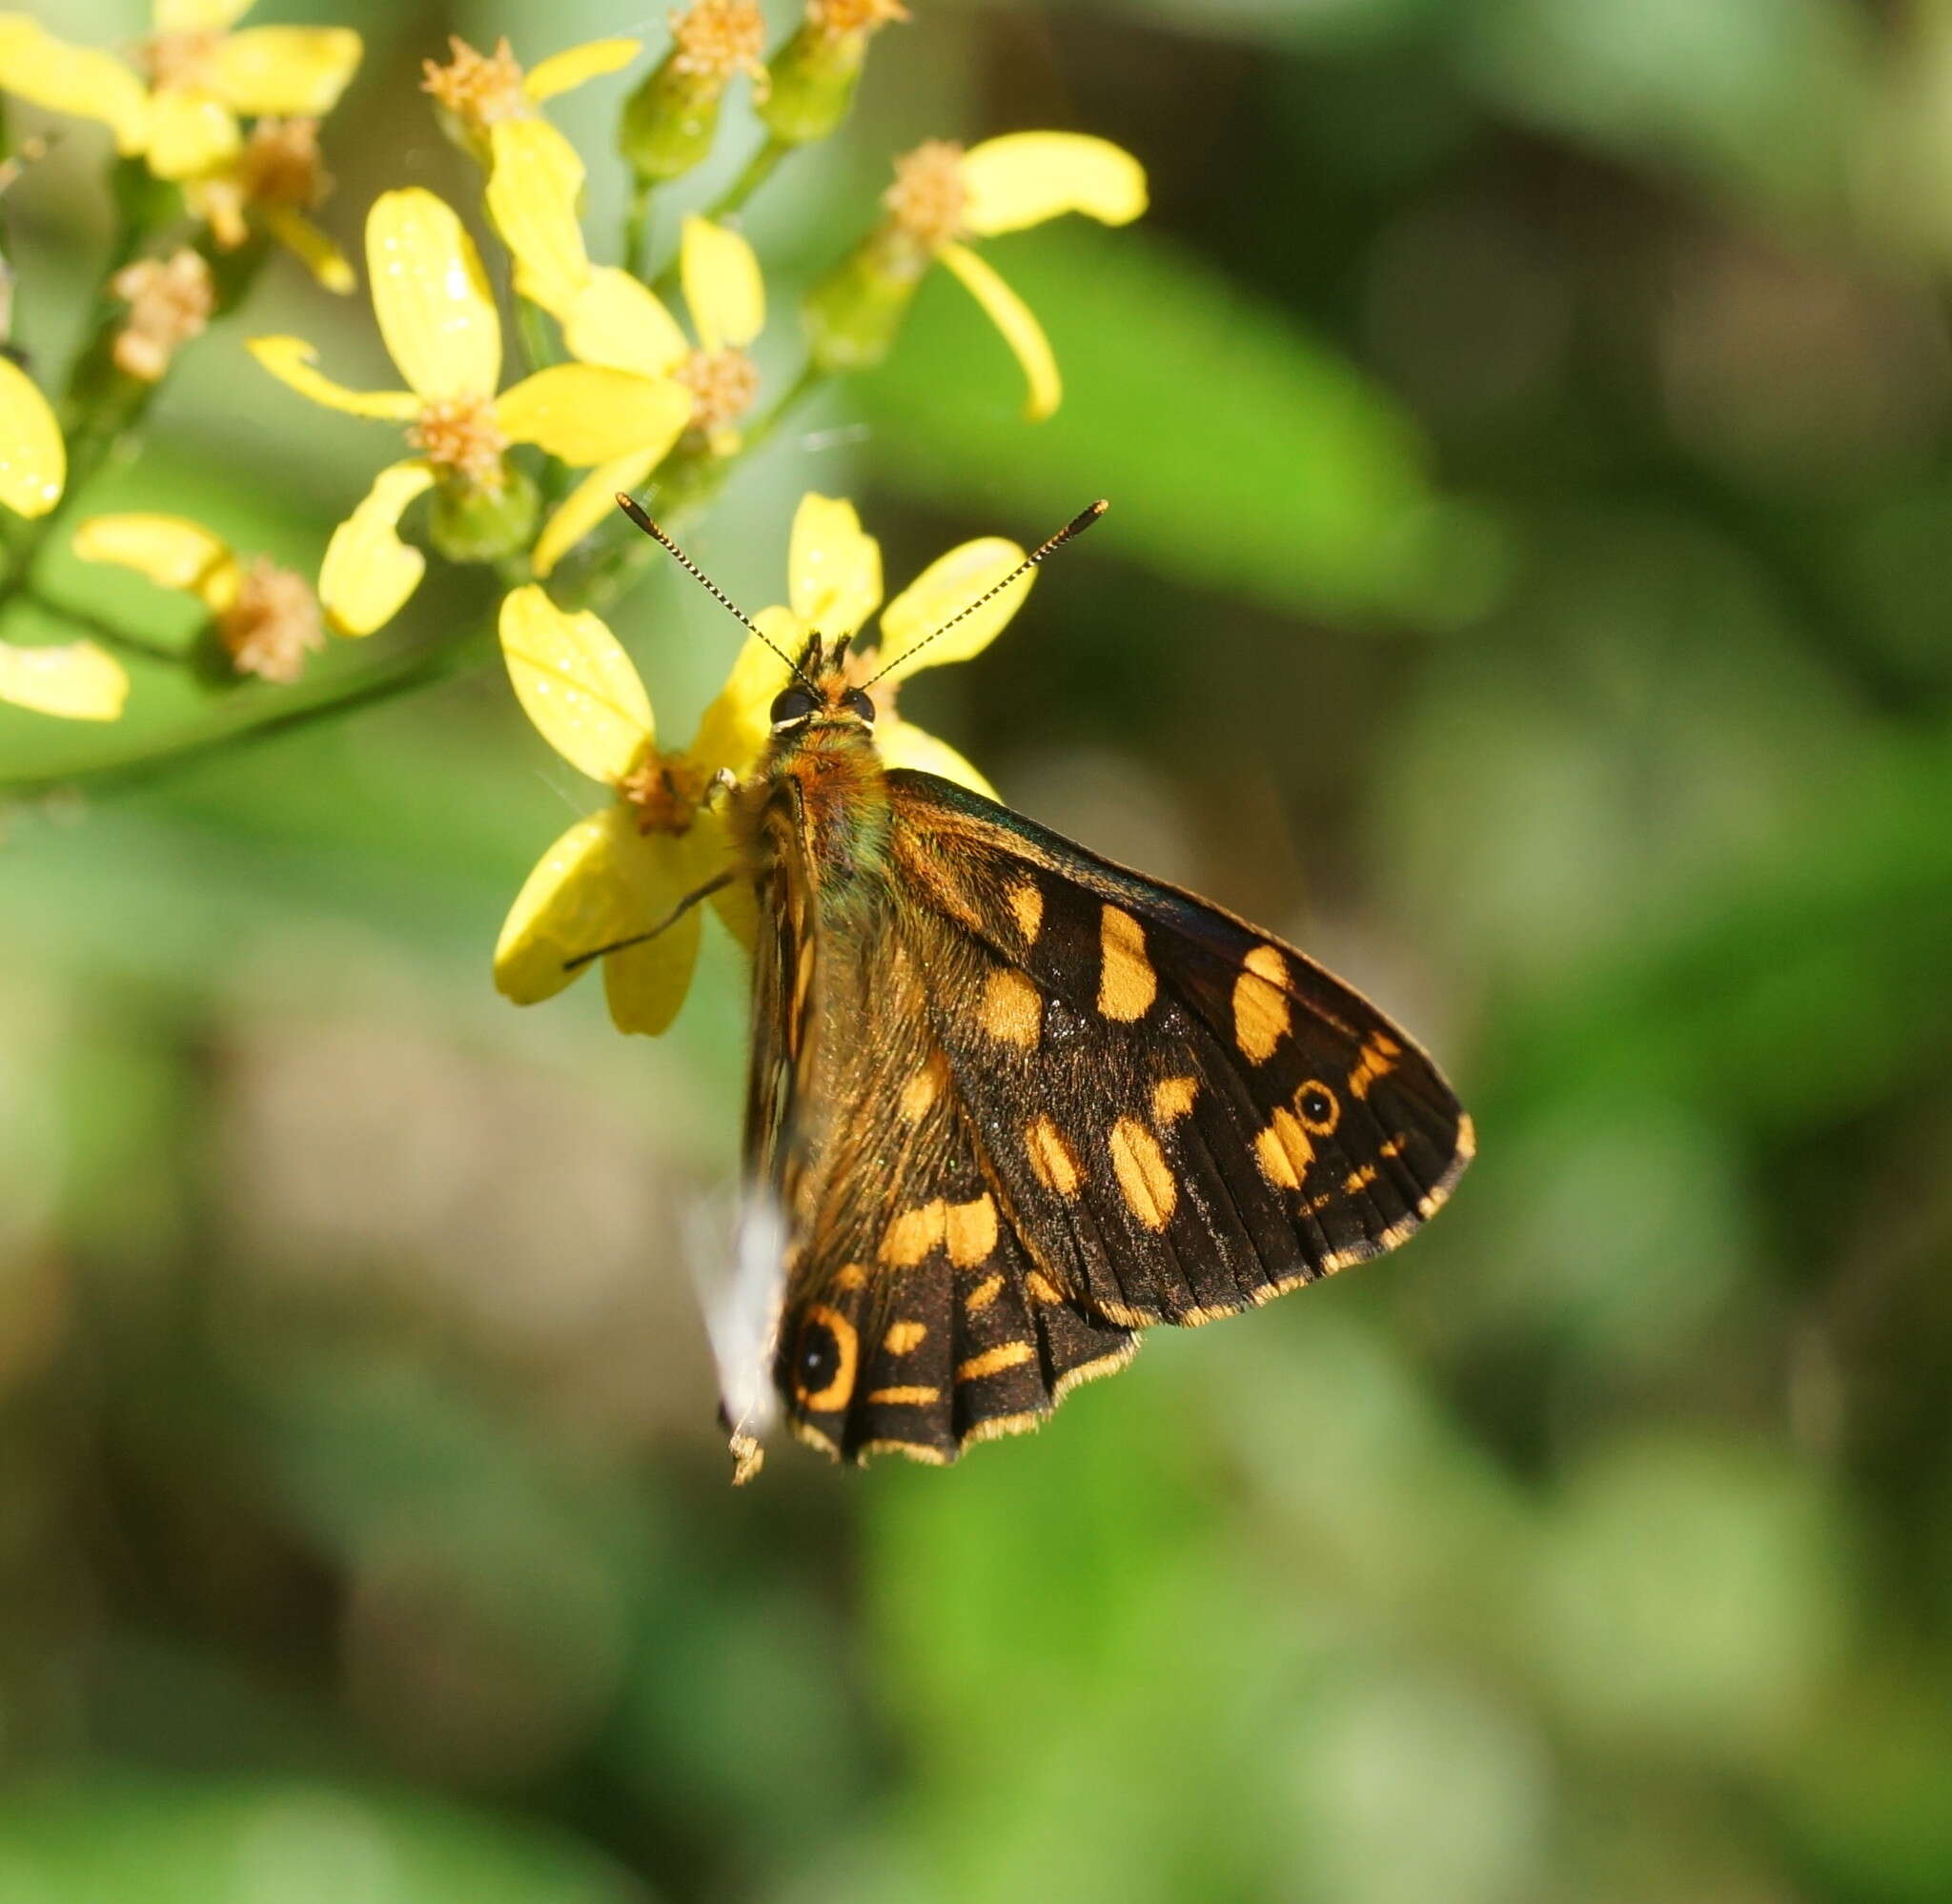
[(854, 314), (670, 121), (815, 74), (480, 522)]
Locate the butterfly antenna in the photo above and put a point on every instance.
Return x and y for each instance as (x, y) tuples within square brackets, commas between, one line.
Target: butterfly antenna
[(1076, 526), (636, 512)]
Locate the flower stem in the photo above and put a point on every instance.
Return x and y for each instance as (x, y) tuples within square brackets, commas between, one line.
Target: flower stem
[(760, 167), (107, 631), (637, 229)]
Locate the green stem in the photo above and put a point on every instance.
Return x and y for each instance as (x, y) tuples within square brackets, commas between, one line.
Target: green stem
[(810, 379), (637, 227), (403, 674), (108, 631), (538, 351), (759, 168)]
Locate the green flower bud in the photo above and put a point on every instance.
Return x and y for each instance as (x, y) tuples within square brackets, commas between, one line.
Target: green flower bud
[(854, 314), (474, 522), (670, 121)]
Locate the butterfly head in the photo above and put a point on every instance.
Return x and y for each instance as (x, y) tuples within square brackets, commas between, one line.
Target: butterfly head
[(822, 693)]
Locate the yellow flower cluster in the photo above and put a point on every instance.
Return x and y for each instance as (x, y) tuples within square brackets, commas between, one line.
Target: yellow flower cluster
[(621, 381)]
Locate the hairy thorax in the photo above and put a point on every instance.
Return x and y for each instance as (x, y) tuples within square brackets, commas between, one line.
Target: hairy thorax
[(820, 799)]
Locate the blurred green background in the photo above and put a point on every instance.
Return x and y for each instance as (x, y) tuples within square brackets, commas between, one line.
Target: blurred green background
[(1529, 424)]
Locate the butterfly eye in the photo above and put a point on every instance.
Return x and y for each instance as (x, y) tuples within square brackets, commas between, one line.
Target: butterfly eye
[(793, 703), (857, 703)]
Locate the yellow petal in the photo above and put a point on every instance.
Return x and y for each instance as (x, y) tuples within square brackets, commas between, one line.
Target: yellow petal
[(616, 321), (588, 504), (199, 16), (587, 416), (833, 569), (313, 249), (600, 881), (578, 66), (431, 296), (290, 359), (37, 66), (33, 459), (646, 985), (172, 550), (289, 71), (576, 684), (1024, 178), (368, 572), (904, 744), (738, 725), (943, 591), (533, 182), (1021, 330), (723, 288), (77, 680), (189, 132)]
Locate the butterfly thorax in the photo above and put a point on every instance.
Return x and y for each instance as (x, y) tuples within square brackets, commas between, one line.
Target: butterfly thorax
[(819, 796)]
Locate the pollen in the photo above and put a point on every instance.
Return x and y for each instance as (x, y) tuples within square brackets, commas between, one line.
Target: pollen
[(715, 39), (170, 301), (723, 384), (280, 166), (459, 433), (273, 625), (481, 90), (182, 62), (838, 18), (929, 197), (667, 791)]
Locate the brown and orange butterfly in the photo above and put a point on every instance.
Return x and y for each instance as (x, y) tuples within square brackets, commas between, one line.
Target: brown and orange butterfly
[(1010, 1104)]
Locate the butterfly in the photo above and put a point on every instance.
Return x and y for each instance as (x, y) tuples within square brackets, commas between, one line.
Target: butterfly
[(1010, 1104)]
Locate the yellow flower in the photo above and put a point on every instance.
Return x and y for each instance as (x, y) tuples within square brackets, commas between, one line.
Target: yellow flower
[(201, 77), (438, 316), (834, 584), (274, 180), (625, 869), (76, 681), (490, 105), (265, 617), (610, 319), (943, 195)]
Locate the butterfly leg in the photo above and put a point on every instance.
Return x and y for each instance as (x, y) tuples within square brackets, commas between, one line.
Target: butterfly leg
[(678, 912)]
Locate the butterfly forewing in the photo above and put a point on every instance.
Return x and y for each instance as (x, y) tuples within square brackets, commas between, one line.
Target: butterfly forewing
[(1032, 1101)]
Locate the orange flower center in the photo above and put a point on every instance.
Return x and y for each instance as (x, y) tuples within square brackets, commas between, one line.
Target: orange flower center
[(279, 164), (667, 791), (839, 17), (170, 301), (181, 61), (481, 90), (723, 384), (460, 434), (273, 625), (928, 196), (718, 38)]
